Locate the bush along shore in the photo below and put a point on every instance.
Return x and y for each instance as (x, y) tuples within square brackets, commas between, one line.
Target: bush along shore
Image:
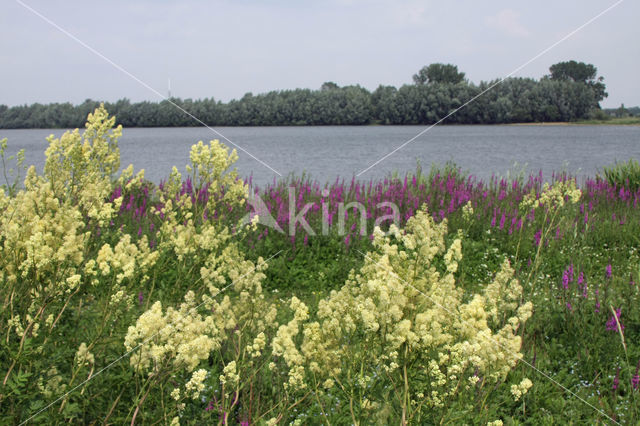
[(429, 298)]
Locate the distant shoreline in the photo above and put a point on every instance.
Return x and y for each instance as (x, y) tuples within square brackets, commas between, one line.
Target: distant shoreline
[(629, 121)]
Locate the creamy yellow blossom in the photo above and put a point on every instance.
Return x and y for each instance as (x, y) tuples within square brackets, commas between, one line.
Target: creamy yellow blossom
[(196, 384), (83, 356), (400, 301), (520, 389)]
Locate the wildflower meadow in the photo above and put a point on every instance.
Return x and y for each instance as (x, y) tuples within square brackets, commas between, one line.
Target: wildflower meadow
[(428, 298)]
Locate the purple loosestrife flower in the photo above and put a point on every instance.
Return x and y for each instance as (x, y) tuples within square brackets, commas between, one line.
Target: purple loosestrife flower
[(616, 380), (582, 284), (565, 280), (607, 272), (570, 272), (635, 380), (612, 323), (140, 298), (537, 238), (569, 307)]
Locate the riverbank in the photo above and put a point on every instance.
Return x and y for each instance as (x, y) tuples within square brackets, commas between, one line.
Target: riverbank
[(626, 121)]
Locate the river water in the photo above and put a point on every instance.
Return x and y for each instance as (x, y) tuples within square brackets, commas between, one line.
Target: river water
[(328, 152)]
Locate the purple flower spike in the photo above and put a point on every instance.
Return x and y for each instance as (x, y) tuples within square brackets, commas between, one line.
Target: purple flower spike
[(616, 380), (612, 323), (607, 272), (565, 279), (537, 237), (140, 298)]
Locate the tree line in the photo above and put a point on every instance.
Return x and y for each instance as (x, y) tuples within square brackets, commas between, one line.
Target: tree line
[(570, 92)]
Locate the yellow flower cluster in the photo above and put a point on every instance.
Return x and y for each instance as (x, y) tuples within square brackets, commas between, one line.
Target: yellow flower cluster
[(79, 167), (44, 228), (552, 196), (229, 374), (210, 165), (181, 337), (519, 390), (405, 310), (239, 318), (196, 385), (125, 260), (83, 356), (41, 238), (283, 344), (467, 211)]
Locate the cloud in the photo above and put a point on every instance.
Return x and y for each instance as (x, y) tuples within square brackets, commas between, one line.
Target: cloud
[(507, 21)]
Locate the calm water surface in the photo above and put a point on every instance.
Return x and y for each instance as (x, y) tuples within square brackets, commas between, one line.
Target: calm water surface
[(328, 152)]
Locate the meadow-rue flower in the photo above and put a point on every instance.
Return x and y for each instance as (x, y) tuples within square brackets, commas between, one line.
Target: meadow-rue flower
[(520, 389)]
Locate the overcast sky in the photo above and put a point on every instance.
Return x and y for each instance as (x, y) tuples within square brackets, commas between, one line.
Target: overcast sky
[(223, 49)]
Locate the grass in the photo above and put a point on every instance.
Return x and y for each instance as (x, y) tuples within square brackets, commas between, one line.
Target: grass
[(617, 121)]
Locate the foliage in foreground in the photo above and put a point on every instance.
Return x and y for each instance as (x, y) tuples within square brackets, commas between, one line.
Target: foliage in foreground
[(102, 324), (130, 302)]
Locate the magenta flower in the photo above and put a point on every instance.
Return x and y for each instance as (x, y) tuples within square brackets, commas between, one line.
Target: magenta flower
[(616, 380), (582, 284), (537, 238), (612, 323), (607, 272), (635, 380), (140, 298), (565, 280)]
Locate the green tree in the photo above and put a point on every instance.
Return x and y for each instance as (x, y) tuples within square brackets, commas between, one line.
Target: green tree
[(580, 72), (574, 71), (439, 73), (329, 85)]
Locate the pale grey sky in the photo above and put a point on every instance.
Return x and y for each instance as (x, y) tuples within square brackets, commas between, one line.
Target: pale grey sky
[(223, 49)]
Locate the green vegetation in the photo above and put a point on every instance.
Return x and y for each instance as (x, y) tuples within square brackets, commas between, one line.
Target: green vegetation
[(624, 175), (567, 94), (613, 121), (508, 301)]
